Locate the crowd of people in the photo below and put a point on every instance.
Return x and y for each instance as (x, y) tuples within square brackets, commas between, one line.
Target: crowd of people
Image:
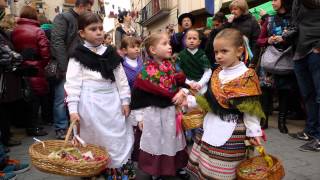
[(128, 96)]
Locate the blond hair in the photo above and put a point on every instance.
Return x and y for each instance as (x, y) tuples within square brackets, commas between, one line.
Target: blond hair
[(8, 22), (241, 4), (152, 40)]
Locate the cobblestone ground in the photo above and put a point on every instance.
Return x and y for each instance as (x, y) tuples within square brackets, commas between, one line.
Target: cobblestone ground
[(298, 165)]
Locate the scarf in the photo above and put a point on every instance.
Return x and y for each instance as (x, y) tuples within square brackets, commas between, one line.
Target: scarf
[(156, 85), (105, 63)]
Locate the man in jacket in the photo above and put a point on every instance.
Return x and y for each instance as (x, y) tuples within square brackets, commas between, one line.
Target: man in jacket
[(307, 67), (64, 39)]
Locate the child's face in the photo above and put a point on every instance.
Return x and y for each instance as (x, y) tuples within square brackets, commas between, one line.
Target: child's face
[(108, 40), (93, 34), (132, 52), (192, 40), (162, 49), (226, 53)]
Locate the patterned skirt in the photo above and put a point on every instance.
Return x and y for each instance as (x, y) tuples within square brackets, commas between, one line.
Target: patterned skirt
[(210, 162)]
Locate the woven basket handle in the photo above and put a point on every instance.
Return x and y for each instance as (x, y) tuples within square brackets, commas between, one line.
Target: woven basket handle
[(73, 123)]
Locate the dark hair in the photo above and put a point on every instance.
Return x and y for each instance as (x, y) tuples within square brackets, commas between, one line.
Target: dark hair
[(106, 35), (287, 5), (219, 16), (121, 16), (129, 41), (152, 40), (88, 18), (43, 19), (28, 12), (83, 2), (233, 35)]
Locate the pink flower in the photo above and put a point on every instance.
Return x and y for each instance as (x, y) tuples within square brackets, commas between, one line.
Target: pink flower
[(151, 70), (165, 82), (165, 66)]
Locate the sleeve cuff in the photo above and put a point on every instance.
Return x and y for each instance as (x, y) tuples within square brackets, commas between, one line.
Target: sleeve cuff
[(192, 103), (254, 132), (125, 101), (73, 107)]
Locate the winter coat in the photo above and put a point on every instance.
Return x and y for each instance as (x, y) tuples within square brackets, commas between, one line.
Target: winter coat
[(12, 80), (64, 39), (31, 42)]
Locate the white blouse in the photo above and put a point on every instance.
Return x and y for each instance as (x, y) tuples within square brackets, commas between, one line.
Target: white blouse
[(77, 74)]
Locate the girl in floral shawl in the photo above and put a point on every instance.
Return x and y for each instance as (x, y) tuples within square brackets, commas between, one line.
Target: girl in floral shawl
[(162, 145)]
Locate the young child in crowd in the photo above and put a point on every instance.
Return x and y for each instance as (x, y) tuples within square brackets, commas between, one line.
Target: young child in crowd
[(98, 94), (234, 112), (107, 39), (132, 64), (162, 145), (194, 62)]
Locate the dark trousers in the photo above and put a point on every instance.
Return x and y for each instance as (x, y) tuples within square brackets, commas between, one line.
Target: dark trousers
[(308, 75)]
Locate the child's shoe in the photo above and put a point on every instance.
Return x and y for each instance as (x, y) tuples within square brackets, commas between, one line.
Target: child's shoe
[(7, 175), (15, 166)]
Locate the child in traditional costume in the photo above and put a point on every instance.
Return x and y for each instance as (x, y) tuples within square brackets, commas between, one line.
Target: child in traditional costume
[(234, 112), (162, 145), (194, 62), (132, 64), (98, 94)]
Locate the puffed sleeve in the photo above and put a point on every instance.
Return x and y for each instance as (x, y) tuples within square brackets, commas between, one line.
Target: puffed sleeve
[(252, 124), (73, 84), (122, 85)]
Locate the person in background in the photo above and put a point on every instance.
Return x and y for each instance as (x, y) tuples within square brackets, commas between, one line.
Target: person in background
[(177, 40), (31, 42), (242, 20), (107, 39), (271, 35), (125, 28), (45, 25), (219, 19), (64, 39), (305, 15)]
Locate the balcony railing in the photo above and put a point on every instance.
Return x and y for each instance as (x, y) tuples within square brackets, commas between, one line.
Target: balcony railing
[(154, 10)]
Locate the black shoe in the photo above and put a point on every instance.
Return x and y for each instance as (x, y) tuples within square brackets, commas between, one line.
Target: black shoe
[(302, 136), (264, 123), (61, 134), (12, 142), (313, 145), (182, 174), (282, 123), (36, 132)]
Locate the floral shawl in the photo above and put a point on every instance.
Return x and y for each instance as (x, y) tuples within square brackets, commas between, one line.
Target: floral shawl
[(160, 79)]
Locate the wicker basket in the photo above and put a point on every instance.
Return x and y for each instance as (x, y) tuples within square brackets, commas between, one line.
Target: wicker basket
[(276, 172), (39, 158), (193, 119)]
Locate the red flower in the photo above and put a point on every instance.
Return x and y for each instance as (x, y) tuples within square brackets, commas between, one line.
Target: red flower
[(165, 82), (166, 66)]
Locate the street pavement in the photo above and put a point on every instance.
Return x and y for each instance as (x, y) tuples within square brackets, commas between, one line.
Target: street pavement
[(298, 165)]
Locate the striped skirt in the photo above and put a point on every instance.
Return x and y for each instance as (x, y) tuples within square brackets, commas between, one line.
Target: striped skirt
[(210, 162)]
